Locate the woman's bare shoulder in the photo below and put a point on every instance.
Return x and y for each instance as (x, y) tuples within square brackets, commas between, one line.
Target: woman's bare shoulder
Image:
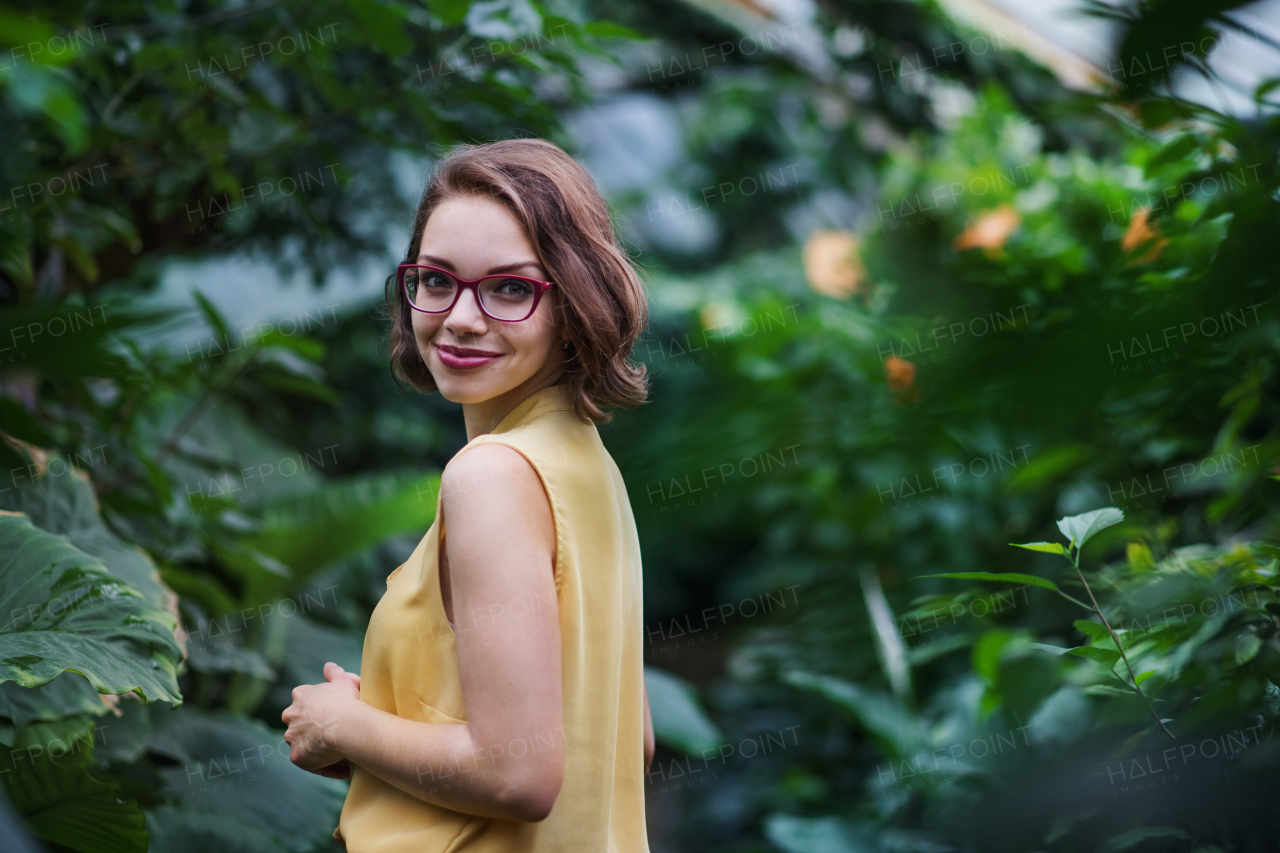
[(489, 474)]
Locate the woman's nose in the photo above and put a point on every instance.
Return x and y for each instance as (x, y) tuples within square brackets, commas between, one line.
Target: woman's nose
[(466, 314)]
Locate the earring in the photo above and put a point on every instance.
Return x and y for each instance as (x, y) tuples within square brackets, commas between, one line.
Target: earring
[(565, 345)]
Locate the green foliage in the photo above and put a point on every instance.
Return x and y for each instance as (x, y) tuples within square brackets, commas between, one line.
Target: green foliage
[(228, 765), (68, 613), (896, 443), (678, 721), (1063, 398), (64, 804)]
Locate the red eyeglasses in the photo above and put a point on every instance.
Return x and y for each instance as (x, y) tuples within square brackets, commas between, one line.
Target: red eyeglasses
[(507, 298)]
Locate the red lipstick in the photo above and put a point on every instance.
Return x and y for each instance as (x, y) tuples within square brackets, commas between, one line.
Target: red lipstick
[(464, 358)]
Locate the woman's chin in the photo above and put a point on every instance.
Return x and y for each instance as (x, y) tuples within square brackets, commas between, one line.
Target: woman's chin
[(461, 392), (465, 390)]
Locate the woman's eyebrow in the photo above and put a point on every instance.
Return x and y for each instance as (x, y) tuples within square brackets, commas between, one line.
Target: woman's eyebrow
[(441, 262)]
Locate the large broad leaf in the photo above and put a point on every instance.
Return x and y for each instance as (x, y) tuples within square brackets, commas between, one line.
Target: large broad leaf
[(68, 695), (63, 803), (62, 610), (60, 736), (232, 766), (177, 830), (311, 530), (310, 644), (1080, 528), (218, 645), (57, 497), (124, 738), (678, 720)]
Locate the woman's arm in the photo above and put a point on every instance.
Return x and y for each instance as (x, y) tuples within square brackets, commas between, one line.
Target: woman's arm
[(507, 761)]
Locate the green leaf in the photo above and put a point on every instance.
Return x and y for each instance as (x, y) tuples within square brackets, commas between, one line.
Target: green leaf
[(218, 645), (20, 30), (309, 348), (212, 316), (828, 834), (69, 734), (1247, 648), (1095, 632), (235, 766), (62, 502), (51, 91), (123, 739), (1134, 837), (177, 830), (1048, 465), (922, 654), (1106, 690), (1156, 112), (987, 651), (1107, 657), (68, 695), (70, 342), (1003, 577), (610, 29), (1172, 153), (17, 422), (383, 24), (450, 12), (878, 713), (678, 720), (309, 644), (62, 802), (1143, 676), (302, 386), (1139, 556), (1046, 547), (1079, 529), (64, 611), (311, 530), (1266, 88)]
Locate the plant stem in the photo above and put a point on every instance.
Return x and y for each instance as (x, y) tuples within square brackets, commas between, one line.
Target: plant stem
[(1075, 561)]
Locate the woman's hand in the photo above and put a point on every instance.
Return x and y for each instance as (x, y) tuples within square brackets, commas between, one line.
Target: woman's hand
[(317, 712)]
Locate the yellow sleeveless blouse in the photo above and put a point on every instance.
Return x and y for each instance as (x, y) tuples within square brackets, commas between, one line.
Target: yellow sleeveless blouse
[(409, 665)]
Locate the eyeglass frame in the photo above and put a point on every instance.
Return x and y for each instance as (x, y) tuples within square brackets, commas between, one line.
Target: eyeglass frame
[(473, 284)]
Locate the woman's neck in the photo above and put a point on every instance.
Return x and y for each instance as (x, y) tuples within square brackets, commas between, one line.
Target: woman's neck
[(483, 417)]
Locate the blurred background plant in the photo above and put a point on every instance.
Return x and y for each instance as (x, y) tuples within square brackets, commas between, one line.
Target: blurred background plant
[(921, 288)]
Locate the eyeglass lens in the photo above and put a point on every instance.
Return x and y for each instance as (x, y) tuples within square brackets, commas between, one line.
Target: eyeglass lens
[(502, 298)]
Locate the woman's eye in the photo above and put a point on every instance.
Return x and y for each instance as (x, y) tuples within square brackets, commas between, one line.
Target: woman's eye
[(514, 287), (436, 280)]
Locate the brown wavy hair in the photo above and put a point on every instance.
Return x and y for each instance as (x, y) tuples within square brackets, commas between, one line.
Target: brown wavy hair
[(602, 301)]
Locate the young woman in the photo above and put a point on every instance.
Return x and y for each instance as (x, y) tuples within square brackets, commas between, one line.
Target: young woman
[(501, 704)]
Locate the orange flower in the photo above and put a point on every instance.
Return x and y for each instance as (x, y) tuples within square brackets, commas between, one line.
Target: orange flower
[(900, 372), (990, 231), (1140, 232), (833, 264)]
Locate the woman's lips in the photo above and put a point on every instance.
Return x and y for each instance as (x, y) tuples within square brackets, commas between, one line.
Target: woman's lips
[(461, 358)]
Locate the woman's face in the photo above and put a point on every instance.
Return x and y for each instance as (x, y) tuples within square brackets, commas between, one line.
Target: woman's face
[(473, 358)]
